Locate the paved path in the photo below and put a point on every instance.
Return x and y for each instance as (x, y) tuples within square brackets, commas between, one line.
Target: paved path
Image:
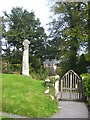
[(71, 109), (10, 115), (67, 109)]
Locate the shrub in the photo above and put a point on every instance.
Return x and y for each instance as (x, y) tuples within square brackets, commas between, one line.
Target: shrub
[(47, 72), (11, 68), (4, 67), (35, 74), (86, 85), (52, 91), (14, 68), (59, 71), (41, 73)]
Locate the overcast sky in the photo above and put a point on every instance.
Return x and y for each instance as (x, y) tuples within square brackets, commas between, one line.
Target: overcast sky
[(40, 7)]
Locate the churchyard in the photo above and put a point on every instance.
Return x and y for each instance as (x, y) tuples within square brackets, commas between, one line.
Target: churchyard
[(24, 96), (28, 97), (40, 70)]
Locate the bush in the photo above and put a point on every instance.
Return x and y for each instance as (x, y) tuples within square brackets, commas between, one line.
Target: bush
[(86, 85), (11, 68), (4, 67), (14, 68), (41, 73), (33, 73), (47, 72), (52, 91), (59, 71)]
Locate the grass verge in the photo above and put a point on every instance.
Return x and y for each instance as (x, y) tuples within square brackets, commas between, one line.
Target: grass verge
[(24, 96)]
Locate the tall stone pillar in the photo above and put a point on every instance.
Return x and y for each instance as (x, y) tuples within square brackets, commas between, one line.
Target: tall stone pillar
[(25, 62)]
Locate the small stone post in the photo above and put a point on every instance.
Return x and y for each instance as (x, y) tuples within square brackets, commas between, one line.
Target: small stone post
[(56, 88), (25, 62)]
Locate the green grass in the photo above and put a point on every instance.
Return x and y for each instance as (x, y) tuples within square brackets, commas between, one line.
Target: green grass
[(24, 96), (2, 117)]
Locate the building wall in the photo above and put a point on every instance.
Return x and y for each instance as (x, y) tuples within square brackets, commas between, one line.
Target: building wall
[(51, 65)]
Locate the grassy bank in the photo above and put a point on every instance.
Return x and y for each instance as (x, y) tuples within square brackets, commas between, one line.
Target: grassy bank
[(24, 96)]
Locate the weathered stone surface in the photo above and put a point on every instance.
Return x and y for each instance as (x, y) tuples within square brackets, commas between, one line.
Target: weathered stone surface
[(56, 88), (47, 91), (47, 80), (25, 62), (57, 77), (52, 98)]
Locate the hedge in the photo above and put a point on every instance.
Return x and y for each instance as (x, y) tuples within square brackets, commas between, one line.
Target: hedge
[(86, 85)]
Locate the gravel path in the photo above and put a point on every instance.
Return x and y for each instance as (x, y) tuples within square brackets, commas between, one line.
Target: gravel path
[(71, 109)]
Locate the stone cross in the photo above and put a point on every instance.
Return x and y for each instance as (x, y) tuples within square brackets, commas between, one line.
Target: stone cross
[(25, 62)]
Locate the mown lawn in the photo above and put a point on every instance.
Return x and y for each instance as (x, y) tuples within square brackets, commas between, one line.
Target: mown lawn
[(24, 96), (1, 117)]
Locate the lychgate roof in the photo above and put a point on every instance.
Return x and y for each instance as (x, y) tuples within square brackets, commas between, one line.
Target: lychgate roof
[(53, 61)]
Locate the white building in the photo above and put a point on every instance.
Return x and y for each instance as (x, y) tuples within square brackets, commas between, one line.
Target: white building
[(51, 63)]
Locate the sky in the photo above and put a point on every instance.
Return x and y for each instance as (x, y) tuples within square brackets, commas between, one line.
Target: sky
[(40, 8)]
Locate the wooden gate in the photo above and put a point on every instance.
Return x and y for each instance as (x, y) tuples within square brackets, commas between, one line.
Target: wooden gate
[(71, 86)]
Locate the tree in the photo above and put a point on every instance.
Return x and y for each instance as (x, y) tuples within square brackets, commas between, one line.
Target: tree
[(23, 25), (82, 64), (0, 34), (2, 30), (88, 31), (68, 32)]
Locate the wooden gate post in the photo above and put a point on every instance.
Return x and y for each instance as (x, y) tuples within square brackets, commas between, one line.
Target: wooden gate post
[(83, 96), (61, 87), (79, 89), (70, 84)]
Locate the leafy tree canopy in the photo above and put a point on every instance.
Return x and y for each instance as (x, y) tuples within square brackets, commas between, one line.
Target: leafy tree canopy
[(23, 25), (69, 32)]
